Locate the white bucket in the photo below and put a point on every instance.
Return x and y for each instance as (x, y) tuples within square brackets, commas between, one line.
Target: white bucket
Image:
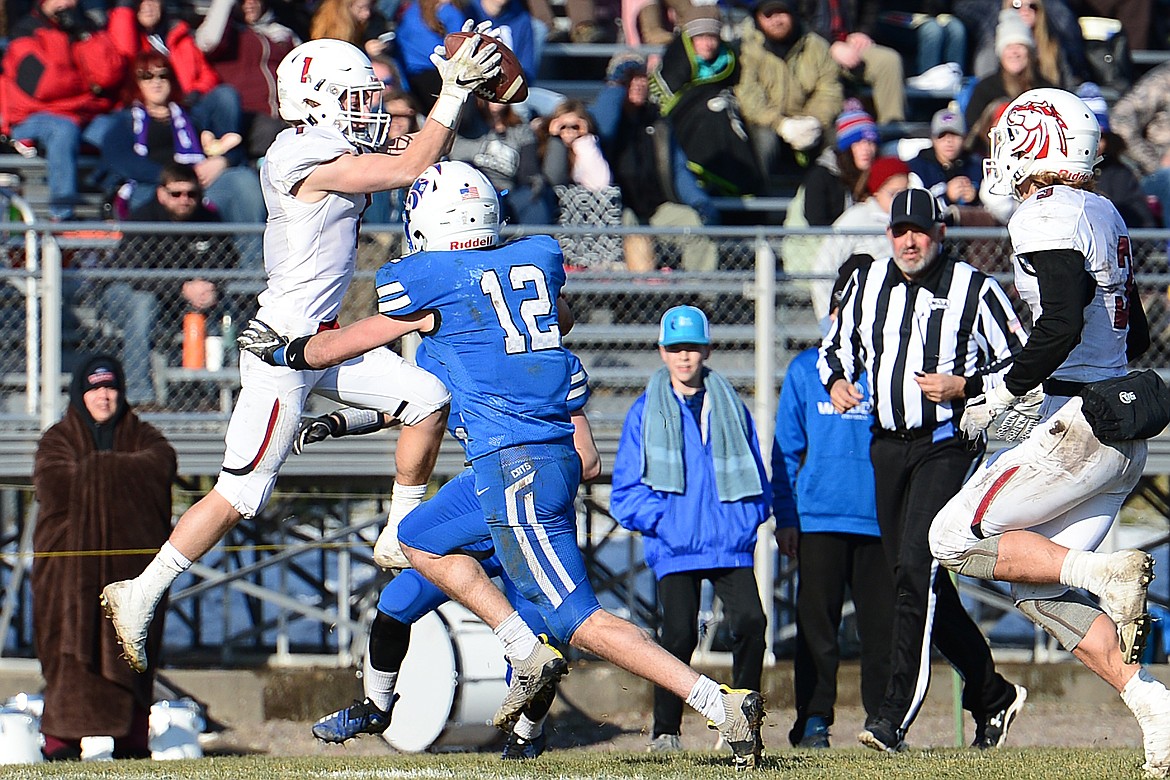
[(450, 685), (20, 738), (175, 727)]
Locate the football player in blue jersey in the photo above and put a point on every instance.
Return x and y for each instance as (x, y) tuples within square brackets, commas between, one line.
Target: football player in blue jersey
[(455, 513), (489, 314)]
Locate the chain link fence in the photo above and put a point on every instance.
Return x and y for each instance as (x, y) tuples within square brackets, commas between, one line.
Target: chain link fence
[(168, 301)]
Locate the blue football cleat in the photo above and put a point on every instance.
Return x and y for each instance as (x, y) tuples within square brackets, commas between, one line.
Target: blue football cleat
[(362, 717), (519, 749)]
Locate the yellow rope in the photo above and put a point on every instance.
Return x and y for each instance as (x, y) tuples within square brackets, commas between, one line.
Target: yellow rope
[(153, 550)]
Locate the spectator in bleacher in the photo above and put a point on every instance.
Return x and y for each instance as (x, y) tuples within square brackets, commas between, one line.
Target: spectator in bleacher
[(1017, 73), (862, 62), (422, 26), (650, 169), (570, 151), (244, 42), (1058, 44), (950, 173), (1116, 180), (655, 22), (352, 21), (925, 33), (693, 86), (887, 177), (59, 73), (788, 89), (386, 206), (156, 129), (837, 180), (1141, 118), (493, 138), (833, 535), (139, 26), (151, 310), (834, 183)]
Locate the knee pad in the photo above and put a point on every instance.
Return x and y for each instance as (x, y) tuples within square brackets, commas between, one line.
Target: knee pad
[(976, 561), (389, 639), (1067, 618)]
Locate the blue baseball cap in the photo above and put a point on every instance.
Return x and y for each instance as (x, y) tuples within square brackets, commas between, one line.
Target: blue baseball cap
[(684, 325)]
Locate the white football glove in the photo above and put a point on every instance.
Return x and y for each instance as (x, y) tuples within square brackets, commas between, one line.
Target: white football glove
[(800, 132), (261, 340), (387, 552), (1021, 417), (483, 28), (982, 409), (470, 66)]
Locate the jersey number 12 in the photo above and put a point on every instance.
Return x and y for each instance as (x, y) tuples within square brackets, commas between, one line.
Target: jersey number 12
[(521, 277)]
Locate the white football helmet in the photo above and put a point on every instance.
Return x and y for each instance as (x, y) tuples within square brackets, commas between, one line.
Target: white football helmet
[(1042, 131), (451, 205), (331, 82)]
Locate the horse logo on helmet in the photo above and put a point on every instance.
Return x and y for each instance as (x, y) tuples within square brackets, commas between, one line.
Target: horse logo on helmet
[(1037, 124)]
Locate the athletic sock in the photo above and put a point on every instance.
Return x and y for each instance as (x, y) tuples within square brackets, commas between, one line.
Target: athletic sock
[(403, 499), (526, 729), (163, 569), (706, 699), (517, 637), (378, 685), (1084, 569)]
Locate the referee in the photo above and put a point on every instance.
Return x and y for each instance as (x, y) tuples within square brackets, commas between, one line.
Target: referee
[(926, 330)]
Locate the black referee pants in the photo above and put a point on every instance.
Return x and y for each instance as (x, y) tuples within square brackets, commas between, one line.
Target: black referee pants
[(828, 562), (915, 478), (678, 600)]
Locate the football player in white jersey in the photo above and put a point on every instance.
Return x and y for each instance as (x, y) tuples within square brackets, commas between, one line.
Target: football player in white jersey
[(316, 181), (1035, 514)]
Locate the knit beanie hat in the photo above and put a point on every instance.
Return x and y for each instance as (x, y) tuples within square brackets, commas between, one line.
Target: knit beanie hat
[(881, 171), (1091, 94), (854, 125), (1012, 29)]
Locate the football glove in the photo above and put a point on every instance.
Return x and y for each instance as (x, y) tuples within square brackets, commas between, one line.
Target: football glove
[(982, 409), (471, 65), (1021, 417)]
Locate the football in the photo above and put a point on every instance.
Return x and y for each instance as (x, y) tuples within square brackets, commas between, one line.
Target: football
[(509, 86)]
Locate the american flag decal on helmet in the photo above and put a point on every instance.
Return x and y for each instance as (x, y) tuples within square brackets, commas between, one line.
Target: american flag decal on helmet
[(469, 191)]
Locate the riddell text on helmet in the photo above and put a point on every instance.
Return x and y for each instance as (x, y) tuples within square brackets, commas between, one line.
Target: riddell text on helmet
[(479, 242)]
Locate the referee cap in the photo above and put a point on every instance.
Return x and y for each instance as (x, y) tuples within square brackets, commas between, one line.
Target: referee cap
[(684, 325), (916, 207)]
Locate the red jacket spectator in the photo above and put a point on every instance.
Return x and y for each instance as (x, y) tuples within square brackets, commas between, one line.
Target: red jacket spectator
[(191, 67), (59, 65)]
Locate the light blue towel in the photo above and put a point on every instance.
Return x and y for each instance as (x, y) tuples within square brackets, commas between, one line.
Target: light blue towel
[(724, 424)]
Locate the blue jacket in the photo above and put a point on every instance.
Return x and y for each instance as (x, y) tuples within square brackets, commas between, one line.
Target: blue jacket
[(694, 530), (825, 453), (515, 25)]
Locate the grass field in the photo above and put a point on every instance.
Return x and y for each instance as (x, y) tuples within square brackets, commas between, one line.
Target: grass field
[(849, 764)]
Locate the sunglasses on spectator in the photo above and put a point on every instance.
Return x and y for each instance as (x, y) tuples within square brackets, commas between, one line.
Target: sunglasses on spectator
[(576, 127), (153, 75), (1021, 4), (192, 193)]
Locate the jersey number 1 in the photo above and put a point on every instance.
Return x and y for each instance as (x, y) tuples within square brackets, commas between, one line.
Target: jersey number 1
[(520, 277)]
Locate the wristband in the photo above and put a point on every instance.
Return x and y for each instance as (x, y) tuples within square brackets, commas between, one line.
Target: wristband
[(293, 354), (449, 105)]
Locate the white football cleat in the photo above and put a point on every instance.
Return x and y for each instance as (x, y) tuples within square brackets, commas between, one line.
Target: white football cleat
[(131, 612)]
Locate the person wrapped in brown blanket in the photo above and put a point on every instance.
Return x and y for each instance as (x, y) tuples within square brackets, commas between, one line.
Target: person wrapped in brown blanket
[(103, 483)]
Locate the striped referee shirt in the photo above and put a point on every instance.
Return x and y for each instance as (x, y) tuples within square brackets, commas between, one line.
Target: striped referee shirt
[(953, 320)]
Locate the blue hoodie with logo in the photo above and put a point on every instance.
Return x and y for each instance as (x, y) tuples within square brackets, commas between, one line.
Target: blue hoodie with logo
[(820, 458)]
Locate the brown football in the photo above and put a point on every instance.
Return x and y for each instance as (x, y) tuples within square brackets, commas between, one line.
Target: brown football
[(509, 86)]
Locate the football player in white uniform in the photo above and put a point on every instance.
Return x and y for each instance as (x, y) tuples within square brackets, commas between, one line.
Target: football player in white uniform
[(1034, 515), (316, 181)]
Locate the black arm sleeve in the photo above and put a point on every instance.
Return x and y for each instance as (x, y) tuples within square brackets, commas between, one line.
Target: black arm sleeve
[(1065, 290), (1138, 340)]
